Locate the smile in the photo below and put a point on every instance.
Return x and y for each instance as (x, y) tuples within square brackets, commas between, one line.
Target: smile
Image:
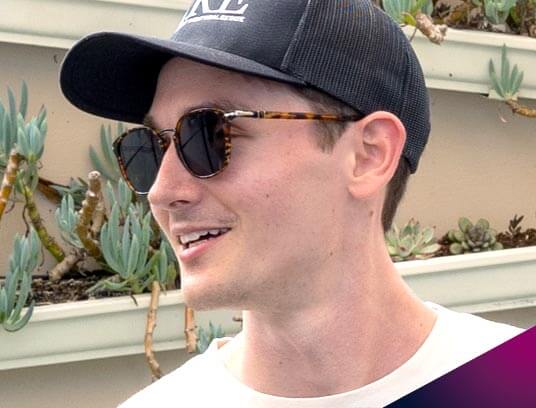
[(195, 244), (197, 237)]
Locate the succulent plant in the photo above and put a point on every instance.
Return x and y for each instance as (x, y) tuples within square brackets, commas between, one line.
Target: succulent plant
[(14, 293), (126, 249), (27, 139), (497, 11), (67, 219), (403, 11), (76, 189), (411, 242), (107, 166), (204, 338), (473, 238), (9, 119), (507, 84), (514, 227), (123, 197)]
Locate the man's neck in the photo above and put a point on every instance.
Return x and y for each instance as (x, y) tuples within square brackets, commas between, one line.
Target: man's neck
[(332, 348)]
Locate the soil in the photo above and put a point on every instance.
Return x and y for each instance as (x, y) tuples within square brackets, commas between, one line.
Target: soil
[(72, 287), (521, 239)]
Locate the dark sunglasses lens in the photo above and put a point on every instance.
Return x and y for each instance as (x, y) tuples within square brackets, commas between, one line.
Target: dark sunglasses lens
[(202, 142), (141, 156)]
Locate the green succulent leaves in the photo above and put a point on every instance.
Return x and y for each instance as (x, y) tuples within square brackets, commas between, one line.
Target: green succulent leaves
[(507, 83), (27, 138), (497, 11), (9, 120), (108, 166), (204, 338), (67, 219), (411, 242), (473, 238), (403, 11), (126, 249), (123, 197), (14, 293)]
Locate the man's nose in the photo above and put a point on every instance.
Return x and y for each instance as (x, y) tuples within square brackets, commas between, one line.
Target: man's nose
[(174, 185)]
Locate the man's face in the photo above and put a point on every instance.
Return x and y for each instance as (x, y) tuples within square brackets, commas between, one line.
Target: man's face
[(281, 197)]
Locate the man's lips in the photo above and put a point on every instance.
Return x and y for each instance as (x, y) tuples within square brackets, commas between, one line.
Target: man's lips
[(187, 240), (179, 231), (198, 248)]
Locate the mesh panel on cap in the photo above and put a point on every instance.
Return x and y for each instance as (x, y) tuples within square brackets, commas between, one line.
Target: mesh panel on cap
[(353, 51), (415, 112)]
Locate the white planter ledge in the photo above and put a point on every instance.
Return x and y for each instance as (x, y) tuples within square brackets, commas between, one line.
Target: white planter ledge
[(59, 23), (475, 283), (101, 328), (461, 62)]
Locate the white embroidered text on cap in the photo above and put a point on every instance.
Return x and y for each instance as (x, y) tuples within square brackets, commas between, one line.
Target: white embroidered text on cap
[(229, 10)]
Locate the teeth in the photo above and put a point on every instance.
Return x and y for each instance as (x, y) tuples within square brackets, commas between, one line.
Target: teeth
[(194, 236)]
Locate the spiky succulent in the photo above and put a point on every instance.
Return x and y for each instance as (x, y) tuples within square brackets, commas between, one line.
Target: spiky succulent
[(204, 338), (67, 218), (107, 165), (497, 11), (16, 288), (9, 120), (411, 242), (473, 238), (125, 247), (506, 84)]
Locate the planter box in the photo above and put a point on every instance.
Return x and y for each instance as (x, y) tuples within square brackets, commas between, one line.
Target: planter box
[(461, 62), (60, 23), (475, 283), (101, 328)]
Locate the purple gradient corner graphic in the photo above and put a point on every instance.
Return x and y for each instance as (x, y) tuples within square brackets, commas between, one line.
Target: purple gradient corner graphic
[(504, 377)]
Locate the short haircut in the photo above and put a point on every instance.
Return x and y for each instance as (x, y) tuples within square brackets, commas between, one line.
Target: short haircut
[(329, 133)]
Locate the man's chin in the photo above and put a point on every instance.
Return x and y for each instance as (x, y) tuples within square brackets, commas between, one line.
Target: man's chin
[(211, 299)]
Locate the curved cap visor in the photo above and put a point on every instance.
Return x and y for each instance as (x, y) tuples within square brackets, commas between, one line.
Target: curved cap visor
[(114, 75)]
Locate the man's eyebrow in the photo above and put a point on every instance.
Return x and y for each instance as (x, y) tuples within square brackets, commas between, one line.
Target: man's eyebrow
[(219, 103)]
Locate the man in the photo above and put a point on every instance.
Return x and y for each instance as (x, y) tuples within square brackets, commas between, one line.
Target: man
[(279, 214)]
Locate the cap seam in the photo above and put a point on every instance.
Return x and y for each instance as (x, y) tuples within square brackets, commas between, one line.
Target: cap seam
[(295, 38)]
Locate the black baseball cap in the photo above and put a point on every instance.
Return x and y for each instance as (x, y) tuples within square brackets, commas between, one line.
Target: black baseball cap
[(349, 49)]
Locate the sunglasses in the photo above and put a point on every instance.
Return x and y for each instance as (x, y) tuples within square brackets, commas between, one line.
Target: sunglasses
[(202, 140)]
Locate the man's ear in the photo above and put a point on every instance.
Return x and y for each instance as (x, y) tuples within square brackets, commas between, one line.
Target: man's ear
[(376, 153)]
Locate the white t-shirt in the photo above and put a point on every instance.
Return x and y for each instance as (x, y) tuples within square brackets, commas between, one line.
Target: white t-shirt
[(205, 381)]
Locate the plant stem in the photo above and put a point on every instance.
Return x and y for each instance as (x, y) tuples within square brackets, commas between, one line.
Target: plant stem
[(66, 265), (521, 109), (189, 330), (435, 33), (89, 206), (9, 179), (46, 239), (151, 324)]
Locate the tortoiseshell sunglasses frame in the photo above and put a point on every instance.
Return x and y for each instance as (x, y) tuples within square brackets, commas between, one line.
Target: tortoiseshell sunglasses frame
[(227, 116)]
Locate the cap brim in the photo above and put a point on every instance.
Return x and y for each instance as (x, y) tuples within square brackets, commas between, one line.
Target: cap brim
[(114, 75)]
